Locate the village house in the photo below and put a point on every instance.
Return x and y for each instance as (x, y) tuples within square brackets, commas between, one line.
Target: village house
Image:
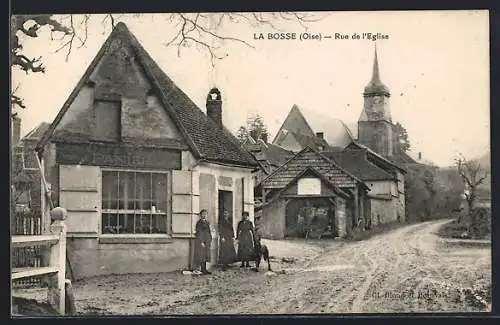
[(366, 151), (134, 160), (269, 156), (25, 170)]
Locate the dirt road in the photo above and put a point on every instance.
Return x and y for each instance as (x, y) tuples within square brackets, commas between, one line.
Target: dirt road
[(406, 270)]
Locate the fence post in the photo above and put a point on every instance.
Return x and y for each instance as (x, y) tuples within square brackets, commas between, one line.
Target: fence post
[(58, 258)]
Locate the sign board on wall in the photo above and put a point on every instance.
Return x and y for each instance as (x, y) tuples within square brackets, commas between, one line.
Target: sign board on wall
[(225, 181), (309, 186), (116, 155)]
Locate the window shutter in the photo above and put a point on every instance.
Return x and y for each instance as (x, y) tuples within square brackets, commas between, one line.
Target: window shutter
[(79, 194), (185, 202), (238, 198), (248, 197), (208, 197)]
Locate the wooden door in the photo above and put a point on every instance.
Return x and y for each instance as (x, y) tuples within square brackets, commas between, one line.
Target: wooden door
[(225, 204)]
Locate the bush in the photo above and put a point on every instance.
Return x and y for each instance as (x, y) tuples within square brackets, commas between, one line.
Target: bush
[(475, 226)]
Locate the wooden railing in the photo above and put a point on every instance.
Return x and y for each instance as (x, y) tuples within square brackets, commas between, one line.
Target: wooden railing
[(26, 223), (55, 246)]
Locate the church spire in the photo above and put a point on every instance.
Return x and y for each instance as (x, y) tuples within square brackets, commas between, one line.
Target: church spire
[(375, 86), (375, 73)]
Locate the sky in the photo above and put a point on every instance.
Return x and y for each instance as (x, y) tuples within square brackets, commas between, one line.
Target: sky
[(435, 63)]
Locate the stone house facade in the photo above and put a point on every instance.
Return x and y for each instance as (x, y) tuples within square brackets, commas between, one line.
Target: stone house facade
[(134, 160)]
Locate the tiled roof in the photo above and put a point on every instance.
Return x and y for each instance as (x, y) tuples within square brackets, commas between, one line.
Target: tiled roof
[(268, 155), (310, 158), (377, 156), (306, 141), (204, 138), (37, 132), (355, 161), (336, 132), (276, 155)]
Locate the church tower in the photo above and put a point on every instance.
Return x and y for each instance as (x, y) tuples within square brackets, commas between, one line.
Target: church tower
[(375, 128)]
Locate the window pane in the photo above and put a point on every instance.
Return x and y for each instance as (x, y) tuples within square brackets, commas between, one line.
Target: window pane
[(109, 223), (121, 223), (105, 223), (143, 191), (109, 189), (129, 190), (128, 224), (159, 224), (142, 224), (160, 192), (121, 190)]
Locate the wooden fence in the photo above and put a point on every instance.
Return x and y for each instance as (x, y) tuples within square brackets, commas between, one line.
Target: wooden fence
[(26, 223), (53, 246)]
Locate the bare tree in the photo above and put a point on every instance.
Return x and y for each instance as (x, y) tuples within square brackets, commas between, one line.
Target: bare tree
[(472, 175), (200, 29)]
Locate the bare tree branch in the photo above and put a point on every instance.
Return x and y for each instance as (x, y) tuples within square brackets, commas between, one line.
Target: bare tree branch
[(15, 100), (469, 171), (69, 43), (85, 21), (199, 29)]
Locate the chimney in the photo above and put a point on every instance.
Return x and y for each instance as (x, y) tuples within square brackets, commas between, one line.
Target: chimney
[(320, 135), (16, 130), (419, 156), (263, 136), (214, 107)]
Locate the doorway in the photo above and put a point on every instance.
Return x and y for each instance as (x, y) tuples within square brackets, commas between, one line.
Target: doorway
[(225, 204), (309, 216)]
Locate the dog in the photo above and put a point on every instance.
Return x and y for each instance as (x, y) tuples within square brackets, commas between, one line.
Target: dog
[(261, 252)]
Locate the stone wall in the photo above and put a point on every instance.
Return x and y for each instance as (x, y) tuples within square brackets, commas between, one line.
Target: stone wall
[(90, 257), (377, 135), (383, 211), (272, 220)]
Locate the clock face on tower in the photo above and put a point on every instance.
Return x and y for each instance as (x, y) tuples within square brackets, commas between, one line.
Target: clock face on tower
[(378, 100)]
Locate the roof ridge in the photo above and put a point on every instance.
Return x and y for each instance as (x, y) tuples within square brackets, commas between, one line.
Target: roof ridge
[(322, 156), (180, 108)]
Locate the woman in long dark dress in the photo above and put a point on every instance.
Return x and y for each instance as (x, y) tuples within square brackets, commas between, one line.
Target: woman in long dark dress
[(226, 235), (245, 237), (203, 242)]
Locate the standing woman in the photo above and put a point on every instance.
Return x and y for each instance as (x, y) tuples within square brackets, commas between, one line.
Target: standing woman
[(203, 242), (245, 237), (226, 234)]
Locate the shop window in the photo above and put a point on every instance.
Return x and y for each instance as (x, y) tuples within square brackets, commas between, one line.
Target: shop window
[(134, 202)]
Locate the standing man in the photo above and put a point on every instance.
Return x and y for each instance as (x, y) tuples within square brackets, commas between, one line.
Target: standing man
[(226, 235), (245, 237), (203, 242)]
